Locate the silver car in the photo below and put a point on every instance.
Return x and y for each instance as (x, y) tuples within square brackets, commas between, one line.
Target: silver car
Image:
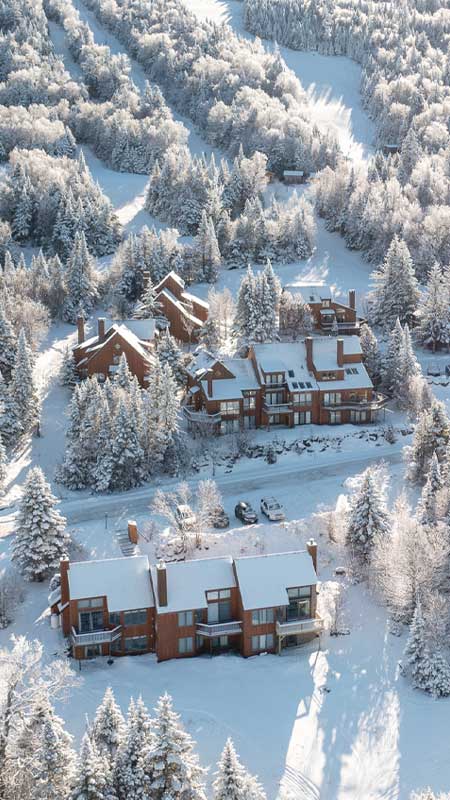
[(272, 509)]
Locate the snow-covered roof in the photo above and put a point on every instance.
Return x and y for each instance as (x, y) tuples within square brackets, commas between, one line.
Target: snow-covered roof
[(355, 377), (311, 293), (202, 361), (231, 388), (124, 581), (172, 275), (192, 298), (293, 172), (188, 582), (144, 329), (92, 345), (287, 357), (325, 351), (264, 580), (181, 307)]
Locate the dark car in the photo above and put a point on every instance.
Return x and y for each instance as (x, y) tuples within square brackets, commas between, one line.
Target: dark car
[(220, 519), (245, 513)]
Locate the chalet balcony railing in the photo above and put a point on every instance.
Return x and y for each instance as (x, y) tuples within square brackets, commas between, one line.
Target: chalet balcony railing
[(278, 408), (326, 325), (209, 630), (96, 637), (375, 403), (201, 416), (296, 626)]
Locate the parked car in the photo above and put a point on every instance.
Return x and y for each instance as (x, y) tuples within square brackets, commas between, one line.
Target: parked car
[(220, 519), (447, 369), (272, 508), (185, 517), (245, 513), (433, 369)]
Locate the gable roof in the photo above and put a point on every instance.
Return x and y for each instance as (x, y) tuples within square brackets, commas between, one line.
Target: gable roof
[(91, 347), (124, 581), (188, 582), (180, 306), (244, 379), (310, 292), (264, 580), (172, 274)]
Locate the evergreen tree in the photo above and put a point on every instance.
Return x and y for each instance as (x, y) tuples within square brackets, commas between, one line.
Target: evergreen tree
[(54, 759), (368, 516), (25, 406), (108, 728), (210, 336), (8, 345), (169, 764), (92, 779), (69, 374), (81, 280), (41, 539), (273, 283), (371, 353), (392, 367), (246, 307), (206, 250), (169, 353), (3, 464), (148, 306), (431, 435), (409, 368), (396, 293), (427, 511), (7, 420), (434, 314), (124, 376), (104, 467), (127, 454), (415, 660), (128, 781), (232, 781), (22, 221)]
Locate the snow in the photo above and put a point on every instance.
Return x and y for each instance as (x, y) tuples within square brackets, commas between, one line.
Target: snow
[(264, 580), (125, 582), (188, 582), (310, 293), (232, 388)]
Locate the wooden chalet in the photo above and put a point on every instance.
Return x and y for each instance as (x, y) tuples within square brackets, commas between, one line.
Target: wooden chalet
[(325, 309), (186, 313), (100, 354)]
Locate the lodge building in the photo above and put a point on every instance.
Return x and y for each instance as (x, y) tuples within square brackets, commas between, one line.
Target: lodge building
[(325, 309), (320, 380), (250, 604)]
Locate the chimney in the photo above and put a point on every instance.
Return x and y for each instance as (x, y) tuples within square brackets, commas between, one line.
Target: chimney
[(65, 594), (101, 328), (132, 531), (161, 577), (145, 280), (209, 379), (311, 546), (80, 326), (352, 299), (309, 353), (340, 352)]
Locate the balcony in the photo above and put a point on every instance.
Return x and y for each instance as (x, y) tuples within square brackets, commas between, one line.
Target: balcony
[(278, 408), (201, 416), (296, 626), (95, 637), (218, 629), (376, 402)]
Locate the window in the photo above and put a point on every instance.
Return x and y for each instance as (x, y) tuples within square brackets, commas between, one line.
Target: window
[(299, 603), (229, 426), (264, 642), (185, 645), (332, 399), (250, 421), (138, 617), (262, 616), (185, 618), (328, 376), (91, 621), (114, 618), (250, 400), (230, 407), (358, 416), (351, 371), (335, 417), (302, 418), (299, 591), (274, 398), (291, 373), (303, 398), (94, 602), (135, 644), (274, 378), (223, 594), (326, 303)]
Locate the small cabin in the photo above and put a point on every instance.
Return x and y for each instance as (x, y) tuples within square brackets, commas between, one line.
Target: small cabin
[(294, 176)]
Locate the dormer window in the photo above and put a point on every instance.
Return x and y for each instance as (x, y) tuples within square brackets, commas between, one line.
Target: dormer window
[(326, 303)]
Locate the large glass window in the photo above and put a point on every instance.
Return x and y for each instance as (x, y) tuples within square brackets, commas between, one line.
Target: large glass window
[(335, 417), (185, 645), (114, 618), (299, 603), (230, 407), (264, 642), (302, 417), (274, 378), (91, 621), (138, 617), (332, 398), (93, 602), (249, 401), (275, 398), (185, 618), (262, 616), (135, 644)]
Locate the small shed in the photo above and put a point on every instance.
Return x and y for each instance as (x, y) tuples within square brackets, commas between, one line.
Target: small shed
[(294, 176)]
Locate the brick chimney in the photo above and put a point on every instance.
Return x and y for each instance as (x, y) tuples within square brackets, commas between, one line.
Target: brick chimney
[(80, 326), (340, 352), (161, 578), (309, 353), (352, 298), (145, 279), (101, 327), (209, 378), (133, 531), (311, 546), (65, 594)]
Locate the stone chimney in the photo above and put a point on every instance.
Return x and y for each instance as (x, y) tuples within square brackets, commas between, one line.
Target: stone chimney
[(340, 352), (80, 326), (133, 531), (101, 327), (309, 353), (352, 298), (161, 578), (311, 546)]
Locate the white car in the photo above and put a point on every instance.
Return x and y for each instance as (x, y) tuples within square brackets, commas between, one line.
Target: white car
[(272, 509)]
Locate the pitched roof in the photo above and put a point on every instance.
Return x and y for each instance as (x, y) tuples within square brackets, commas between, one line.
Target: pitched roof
[(231, 388), (172, 274), (188, 582), (124, 581), (92, 346), (311, 293), (181, 307), (264, 580)]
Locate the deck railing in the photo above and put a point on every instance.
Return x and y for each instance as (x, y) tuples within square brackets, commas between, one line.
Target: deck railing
[(219, 629), (294, 626), (96, 637)]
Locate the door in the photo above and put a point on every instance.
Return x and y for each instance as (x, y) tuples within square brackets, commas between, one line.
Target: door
[(213, 613)]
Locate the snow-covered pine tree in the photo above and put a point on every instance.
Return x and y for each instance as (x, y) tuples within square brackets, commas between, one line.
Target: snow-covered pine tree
[(169, 353), (266, 326), (396, 293), (246, 317), (433, 330), (69, 375), (108, 728), (368, 517), (413, 662), (25, 406), (92, 780), (391, 366), (371, 352), (127, 454), (169, 764), (8, 345), (41, 538), (102, 472), (124, 376), (232, 781), (210, 336), (22, 221), (409, 368), (206, 251), (138, 736), (81, 280), (427, 511), (273, 284), (147, 307), (431, 435), (3, 463)]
